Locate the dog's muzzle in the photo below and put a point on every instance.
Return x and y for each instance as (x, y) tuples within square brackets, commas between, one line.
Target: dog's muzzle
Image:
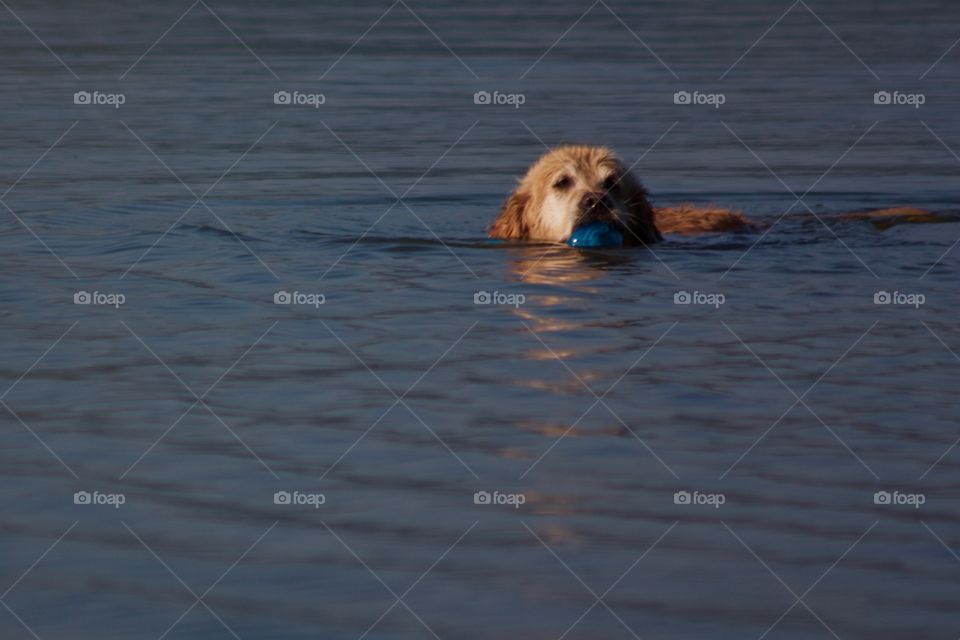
[(595, 207)]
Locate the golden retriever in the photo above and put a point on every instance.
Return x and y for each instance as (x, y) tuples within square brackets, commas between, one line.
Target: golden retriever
[(575, 185)]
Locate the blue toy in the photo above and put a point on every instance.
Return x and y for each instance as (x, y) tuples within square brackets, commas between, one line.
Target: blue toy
[(595, 234)]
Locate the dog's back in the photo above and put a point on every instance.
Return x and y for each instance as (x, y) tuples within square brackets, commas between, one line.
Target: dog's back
[(688, 218)]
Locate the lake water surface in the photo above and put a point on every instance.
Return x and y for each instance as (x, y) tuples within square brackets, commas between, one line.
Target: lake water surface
[(307, 470)]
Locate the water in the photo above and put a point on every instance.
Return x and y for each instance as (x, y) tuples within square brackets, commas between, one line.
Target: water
[(399, 398)]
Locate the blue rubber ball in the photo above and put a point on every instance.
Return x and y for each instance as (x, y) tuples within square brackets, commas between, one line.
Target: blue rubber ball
[(595, 234)]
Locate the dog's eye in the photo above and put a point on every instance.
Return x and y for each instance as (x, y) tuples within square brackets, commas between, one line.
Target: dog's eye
[(610, 183), (562, 182)]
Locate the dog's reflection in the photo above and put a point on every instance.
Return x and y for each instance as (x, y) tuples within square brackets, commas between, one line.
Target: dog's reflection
[(570, 277), (560, 265), (571, 273)]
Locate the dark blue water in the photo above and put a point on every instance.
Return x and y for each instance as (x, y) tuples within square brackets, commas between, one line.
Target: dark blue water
[(584, 396)]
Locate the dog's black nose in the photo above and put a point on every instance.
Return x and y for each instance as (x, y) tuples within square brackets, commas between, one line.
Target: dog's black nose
[(594, 207), (589, 201)]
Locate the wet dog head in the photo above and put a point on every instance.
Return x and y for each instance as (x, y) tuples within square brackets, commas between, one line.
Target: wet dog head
[(572, 186)]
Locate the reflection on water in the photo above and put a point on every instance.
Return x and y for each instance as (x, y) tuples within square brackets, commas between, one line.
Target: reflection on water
[(559, 265)]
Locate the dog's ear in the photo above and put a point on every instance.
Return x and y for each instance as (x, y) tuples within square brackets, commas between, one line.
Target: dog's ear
[(511, 223), (642, 228)]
